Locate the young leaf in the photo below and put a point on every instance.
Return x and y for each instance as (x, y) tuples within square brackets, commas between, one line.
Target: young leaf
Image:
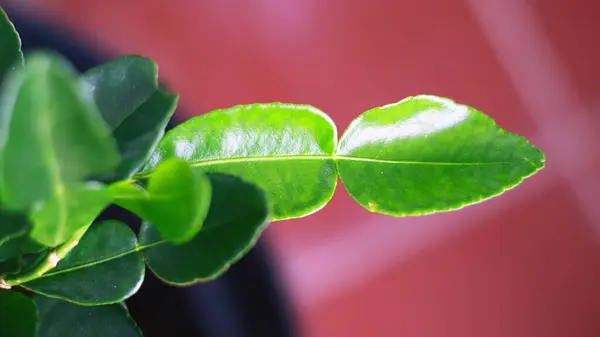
[(176, 203), (105, 267), (428, 154), (55, 221), (61, 319), (130, 196), (237, 216), (55, 136), (11, 56), (126, 92), (421, 155), (285, 149), (18, 315)]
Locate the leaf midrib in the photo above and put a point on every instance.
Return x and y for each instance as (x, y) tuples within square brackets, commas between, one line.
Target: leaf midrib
[(138, 248), (339, 157), (335, 157)]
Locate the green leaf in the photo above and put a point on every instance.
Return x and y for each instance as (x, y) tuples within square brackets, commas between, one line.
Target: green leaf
[(126, 92), (427, 154), (56, 220), (237, 216), (285, 149), (176, 203), (19, 246), (11, 56), (14, 239), (62, 319), (121, 86), (22, 264), (139, 134), (12, 225), (19, 316), (55, 136), (130, 196), (105, 267), (421, 155)]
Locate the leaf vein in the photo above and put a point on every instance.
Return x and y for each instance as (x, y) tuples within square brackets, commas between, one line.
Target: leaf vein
[(338, 157), (138, 248)]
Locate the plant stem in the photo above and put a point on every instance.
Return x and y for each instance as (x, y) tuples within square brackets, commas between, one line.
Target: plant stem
[(49, 263)]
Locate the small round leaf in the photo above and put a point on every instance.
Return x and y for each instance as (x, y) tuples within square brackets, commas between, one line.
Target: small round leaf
[(105, 267), (237, 216)]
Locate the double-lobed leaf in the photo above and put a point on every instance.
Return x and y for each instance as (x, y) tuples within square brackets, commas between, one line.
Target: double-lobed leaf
[(18, 315), (238, 214), (285, 149), (128, 97), (60, 319), (11, 57), (176, 201), (421, 155), (105, 267)]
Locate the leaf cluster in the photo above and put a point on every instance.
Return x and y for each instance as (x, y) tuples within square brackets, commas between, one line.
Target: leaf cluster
[(72, 144)]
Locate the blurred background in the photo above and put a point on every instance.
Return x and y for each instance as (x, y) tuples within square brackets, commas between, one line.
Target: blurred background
[(525, 264)]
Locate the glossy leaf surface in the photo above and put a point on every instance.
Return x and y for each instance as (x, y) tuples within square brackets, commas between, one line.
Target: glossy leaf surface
[(422, 155), (57, 219), (285, 149), (138, 135), (54, 135), (238, 214), (105, 267), (176, 202), (427, 154), (126, 92), (120, 87), (62, 319), (10, 46), (18, 315)]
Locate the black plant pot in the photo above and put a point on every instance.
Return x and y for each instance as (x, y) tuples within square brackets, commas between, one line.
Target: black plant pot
[(245, 302)]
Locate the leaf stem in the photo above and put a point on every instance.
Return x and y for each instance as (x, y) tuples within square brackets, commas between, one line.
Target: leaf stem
[(47, 264)]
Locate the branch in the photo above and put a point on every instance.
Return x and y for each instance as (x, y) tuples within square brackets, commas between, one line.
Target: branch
[(49, 263)]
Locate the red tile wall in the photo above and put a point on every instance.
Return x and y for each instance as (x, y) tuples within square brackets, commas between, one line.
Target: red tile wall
[(528, 262)]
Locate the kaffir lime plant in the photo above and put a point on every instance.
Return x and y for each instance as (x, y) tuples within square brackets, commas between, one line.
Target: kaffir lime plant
[(71, 145)]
